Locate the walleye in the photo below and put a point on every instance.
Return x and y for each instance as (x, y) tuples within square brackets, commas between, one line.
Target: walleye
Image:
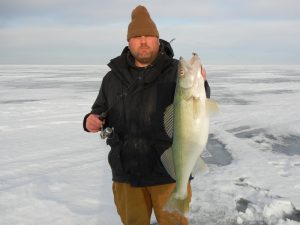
[(187, 121)]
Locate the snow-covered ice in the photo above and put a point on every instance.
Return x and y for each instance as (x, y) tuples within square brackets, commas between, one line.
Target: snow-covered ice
[(53, 173)]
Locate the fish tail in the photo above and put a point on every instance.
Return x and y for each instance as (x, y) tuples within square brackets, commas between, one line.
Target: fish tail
[(178, 205)]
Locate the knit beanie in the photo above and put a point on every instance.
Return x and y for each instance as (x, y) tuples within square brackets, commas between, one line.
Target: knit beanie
[(141, 24)]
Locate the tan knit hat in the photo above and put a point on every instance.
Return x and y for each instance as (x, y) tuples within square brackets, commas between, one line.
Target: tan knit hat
[(141, 24)]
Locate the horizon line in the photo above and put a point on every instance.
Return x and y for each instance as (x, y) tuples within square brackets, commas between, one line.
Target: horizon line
[(106, 64)]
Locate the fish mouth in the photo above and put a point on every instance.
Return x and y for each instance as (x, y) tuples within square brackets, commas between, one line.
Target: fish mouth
[(194, 59)]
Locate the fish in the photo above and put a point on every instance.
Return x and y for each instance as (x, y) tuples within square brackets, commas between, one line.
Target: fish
[(186, 121)]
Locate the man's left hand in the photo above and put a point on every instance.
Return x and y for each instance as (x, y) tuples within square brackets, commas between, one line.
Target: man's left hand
[(203, 73)]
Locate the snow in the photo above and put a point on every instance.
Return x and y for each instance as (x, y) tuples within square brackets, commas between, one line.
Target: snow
[(53, 173)]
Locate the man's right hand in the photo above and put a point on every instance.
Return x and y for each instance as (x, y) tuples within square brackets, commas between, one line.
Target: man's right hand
[(94, 123)]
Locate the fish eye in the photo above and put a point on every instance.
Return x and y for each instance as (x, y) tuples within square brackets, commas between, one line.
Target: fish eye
[(181, 72)]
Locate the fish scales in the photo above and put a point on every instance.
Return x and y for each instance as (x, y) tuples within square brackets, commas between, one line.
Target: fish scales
[(188, 119)]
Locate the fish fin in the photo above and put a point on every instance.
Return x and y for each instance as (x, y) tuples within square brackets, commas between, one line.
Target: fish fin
[(169, 120), (211, 106), (167, 160), (200, 167), (181, 206)]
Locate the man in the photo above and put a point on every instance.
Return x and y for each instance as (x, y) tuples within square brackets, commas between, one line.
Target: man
[(132, 100)]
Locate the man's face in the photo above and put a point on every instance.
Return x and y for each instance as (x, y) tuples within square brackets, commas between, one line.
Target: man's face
[(144, 49)]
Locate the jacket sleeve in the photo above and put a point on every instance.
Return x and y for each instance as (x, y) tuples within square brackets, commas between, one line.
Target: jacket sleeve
[(207, 89), (99, 105)]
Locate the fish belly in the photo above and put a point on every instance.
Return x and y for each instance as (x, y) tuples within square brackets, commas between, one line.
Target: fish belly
[(190, 137)]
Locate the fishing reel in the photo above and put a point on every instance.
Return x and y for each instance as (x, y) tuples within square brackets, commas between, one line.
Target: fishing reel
[(107, 132)]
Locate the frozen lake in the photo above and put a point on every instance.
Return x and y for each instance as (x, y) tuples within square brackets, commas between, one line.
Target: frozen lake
[(53, 173)]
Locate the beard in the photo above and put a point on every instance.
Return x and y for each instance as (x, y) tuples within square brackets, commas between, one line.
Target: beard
[(144, 54)]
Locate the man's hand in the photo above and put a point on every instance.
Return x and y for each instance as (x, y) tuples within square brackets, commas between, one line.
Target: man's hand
[(203, 73), (94, 123)]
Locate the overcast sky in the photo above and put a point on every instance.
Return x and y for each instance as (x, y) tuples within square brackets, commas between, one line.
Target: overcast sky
[(94, 31)]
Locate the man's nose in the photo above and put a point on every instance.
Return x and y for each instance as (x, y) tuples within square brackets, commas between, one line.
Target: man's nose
[(143, 39)]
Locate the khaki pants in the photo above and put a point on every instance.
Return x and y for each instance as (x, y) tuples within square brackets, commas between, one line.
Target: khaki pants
[(135, 204)]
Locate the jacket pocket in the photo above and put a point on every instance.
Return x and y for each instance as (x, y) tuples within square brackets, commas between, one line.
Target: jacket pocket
[(138, 156)]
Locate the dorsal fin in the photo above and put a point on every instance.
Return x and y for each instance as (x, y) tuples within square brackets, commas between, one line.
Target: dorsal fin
[(169, 120)]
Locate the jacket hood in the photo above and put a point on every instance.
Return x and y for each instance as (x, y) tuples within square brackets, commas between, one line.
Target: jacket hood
[(165, 47), (120, 66)]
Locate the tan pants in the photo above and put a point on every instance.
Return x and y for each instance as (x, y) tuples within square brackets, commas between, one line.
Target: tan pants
[(135, 204)]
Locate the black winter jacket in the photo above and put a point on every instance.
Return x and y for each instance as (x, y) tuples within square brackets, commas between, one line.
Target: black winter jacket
[(135, 100)]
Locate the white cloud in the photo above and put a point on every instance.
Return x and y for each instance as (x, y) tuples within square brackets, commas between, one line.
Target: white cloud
[(237, 42), (225, 31), (105, 11)]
